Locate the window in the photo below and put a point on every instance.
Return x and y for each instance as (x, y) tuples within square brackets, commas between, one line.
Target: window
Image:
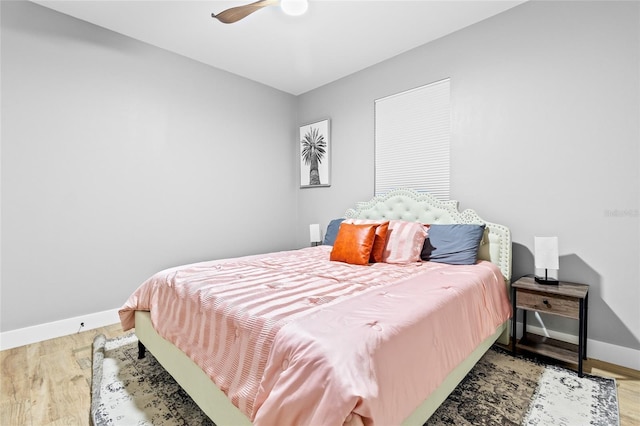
[(412, 131)]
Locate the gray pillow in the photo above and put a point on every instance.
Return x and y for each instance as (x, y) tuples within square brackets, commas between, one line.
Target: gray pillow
[(455, 244), (332, 232)]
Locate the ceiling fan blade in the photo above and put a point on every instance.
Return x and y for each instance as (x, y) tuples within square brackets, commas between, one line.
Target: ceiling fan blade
[(235, 14)]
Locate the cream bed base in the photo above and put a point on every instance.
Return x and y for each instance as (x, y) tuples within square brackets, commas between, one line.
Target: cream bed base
[(403, 204), (215, 404)]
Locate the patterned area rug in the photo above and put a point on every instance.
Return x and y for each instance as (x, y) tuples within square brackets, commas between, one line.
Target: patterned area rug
[(126, 390), (505, 390), (500, 390)]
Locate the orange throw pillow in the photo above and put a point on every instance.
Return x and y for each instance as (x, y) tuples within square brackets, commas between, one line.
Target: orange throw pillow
[(353, 243), (379, 243)]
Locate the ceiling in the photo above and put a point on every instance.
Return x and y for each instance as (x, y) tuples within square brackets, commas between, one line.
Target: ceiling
[(293, 54)]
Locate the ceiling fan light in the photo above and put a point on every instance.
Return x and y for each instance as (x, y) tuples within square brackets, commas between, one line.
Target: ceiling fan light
[(294, 7)]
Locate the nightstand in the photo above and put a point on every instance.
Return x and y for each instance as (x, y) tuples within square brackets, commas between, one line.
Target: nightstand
[(565, 299)]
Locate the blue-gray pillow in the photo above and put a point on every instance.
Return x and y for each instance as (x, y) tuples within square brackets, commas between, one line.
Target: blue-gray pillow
[(332, 232), (455, 244)]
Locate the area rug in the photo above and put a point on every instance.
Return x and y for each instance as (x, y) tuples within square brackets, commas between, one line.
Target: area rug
[(499, 390), (505, 390)]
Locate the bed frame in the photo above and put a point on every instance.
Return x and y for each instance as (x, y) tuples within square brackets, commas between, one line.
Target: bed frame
[(402, 204)]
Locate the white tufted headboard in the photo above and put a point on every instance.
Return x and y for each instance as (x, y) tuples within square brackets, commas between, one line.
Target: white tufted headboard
[(409, 205)]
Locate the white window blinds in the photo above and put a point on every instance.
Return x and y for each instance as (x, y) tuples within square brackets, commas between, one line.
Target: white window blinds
[(412, 140)]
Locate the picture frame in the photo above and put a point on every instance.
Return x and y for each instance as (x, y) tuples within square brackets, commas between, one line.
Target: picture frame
[(314, 144)]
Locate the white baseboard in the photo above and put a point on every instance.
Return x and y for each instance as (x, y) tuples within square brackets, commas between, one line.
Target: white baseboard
[(613, 354), (596, 349), (51, 330)]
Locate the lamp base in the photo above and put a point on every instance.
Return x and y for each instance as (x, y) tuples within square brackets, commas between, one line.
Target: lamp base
[(546, 281)]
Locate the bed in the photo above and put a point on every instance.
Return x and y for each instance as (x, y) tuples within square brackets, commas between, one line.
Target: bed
[(310, 340)]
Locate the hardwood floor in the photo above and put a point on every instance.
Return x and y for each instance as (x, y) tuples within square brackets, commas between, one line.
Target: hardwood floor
[(48, 383)]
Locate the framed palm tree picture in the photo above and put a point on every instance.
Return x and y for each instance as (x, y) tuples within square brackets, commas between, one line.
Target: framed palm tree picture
[(314, 154)]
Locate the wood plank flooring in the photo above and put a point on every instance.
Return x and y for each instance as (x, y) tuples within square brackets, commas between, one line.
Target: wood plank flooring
[(48, 383)]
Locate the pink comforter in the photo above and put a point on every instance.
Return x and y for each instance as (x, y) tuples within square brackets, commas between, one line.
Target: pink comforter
[(294, 339)]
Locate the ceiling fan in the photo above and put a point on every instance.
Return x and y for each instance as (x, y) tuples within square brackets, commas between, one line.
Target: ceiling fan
[(234, 14)]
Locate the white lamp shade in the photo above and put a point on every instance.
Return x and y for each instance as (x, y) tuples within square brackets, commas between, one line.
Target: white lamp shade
[(294, 7), (546, 252), (314, 233)]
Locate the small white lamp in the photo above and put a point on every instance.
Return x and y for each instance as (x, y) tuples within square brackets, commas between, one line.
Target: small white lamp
[(314, 234), (546, 255)]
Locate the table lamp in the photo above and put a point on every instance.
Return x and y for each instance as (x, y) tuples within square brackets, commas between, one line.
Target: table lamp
[(314, 234), (546, 257)]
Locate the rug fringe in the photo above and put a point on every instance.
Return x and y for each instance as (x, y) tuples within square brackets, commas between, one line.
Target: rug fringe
[(97, 361)]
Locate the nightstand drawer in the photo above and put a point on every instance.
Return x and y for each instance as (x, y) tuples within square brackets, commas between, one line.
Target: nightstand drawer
[(552, 303)]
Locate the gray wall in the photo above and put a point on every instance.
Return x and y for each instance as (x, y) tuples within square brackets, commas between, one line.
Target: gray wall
[(545, 139), (120, 159)]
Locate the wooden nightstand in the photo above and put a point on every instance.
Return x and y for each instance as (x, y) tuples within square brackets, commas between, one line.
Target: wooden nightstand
[(565, 299)]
